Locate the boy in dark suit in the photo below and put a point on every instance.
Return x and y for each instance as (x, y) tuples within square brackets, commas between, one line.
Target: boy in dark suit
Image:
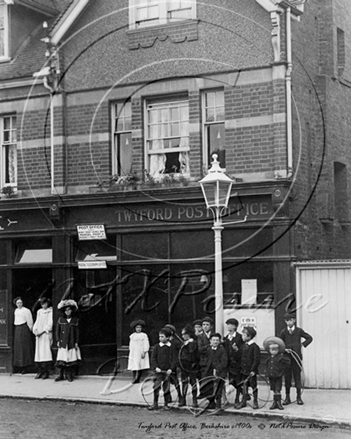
[(163, 361), (176, 343), (292, 335), (250, 360), (203, 340), (232, 343), (216, 362), (188, 364), (275, 368)]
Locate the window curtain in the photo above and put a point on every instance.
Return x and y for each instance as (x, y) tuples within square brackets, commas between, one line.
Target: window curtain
[(184, 162), (11, 164), (157, 164)]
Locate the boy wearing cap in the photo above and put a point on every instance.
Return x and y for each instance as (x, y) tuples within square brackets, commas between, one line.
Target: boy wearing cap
[(250, 360), (203, 340), (216, 365), (163, 361), (176, 343), (188, 364), (275, 367), (292, 336), (197, 327), (232, 343)]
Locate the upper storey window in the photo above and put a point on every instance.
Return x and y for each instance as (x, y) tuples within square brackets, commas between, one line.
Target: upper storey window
[(144, 13), (4, 51), (8, 170)]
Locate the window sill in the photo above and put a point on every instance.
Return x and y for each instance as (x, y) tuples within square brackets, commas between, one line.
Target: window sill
[(176, 32), (5, 59)]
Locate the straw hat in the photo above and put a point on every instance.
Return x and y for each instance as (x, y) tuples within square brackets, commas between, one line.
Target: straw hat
[(274, 340)]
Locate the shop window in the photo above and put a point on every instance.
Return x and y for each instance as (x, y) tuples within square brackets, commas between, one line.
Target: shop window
[(145, 13), (96, 251), (122, 138), (142, 246), (34, 252), (8, 171), (167, 137), (237, 277), (4, 45), (213, 129)]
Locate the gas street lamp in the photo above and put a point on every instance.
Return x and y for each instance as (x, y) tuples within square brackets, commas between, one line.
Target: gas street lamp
[(216, 187)]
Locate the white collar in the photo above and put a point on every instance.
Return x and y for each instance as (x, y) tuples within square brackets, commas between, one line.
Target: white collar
[(251, 341), (168, 344), (290, 330), (231, 335)]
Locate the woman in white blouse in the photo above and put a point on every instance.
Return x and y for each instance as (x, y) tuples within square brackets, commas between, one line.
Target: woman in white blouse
[(43, 338), (23, 355)]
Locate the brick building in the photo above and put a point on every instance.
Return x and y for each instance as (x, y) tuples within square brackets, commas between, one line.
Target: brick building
[(128, 102)]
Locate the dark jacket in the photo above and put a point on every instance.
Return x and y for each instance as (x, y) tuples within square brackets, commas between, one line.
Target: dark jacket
[(275, 366), (67, 333), (250, 358), (163, 357), (234, 356), (293, 341), (216, 359), (188, 356), (203, 342)]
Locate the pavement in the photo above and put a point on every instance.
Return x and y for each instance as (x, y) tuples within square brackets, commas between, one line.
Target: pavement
[(322, 406)]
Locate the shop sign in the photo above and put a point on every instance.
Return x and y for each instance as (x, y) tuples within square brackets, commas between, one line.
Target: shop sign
[(92, 265), (91, 232), (3, 317), (249, 321), (258, 207)]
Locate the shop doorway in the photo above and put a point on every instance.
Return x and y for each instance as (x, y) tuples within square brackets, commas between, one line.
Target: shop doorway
[(30, 285)]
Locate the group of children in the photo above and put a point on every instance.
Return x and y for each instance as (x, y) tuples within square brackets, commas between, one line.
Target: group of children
[(204, 361)]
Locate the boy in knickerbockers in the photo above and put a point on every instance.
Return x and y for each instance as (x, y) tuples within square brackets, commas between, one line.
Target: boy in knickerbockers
[(275, 367), (250, 360), (232, 343), (292, 335)]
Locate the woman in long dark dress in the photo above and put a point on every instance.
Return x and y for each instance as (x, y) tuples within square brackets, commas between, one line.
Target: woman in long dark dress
[(23, 355)]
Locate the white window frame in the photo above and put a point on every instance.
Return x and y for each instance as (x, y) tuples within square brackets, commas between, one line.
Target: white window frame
[(169, 11), (4, 144), (5, 56), (116, 148), (168, 104), (206, 124)]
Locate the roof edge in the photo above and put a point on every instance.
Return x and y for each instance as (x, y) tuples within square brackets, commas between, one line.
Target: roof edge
[(68, 18), (46, 10)]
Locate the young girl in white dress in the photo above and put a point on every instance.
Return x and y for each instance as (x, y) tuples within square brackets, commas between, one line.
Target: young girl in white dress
[(138, 350)]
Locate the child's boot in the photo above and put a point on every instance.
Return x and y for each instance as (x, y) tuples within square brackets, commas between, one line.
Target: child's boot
[(60, 376), (274, 404), (136, 376), (287, 400), (154, 407), (45, 374), (255, 402), (237, 399), (40, 372), (298, 397), (279, 402), (70, 374), (242, 404)]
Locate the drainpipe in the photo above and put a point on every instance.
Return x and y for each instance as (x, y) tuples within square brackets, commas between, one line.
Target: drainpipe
[(288, 93), (52, 151)]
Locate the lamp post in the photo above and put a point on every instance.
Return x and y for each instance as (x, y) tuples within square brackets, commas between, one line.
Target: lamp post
[(216, 188)]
